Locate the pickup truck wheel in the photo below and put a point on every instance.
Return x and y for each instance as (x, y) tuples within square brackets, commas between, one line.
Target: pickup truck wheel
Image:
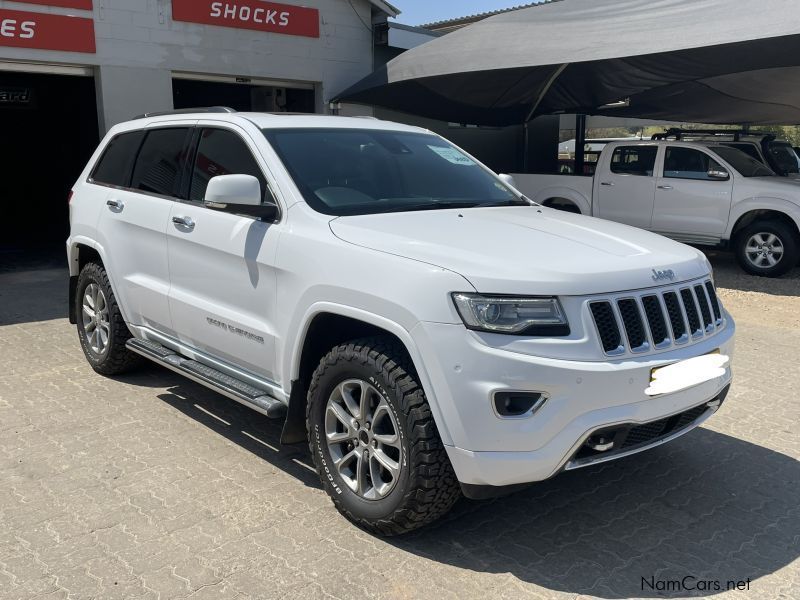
[(373, 440), (101, 328), (767, 248)]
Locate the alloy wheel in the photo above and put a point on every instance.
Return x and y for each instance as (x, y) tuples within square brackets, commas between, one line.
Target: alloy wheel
[(764, 250), (96, 323), (363, 439)]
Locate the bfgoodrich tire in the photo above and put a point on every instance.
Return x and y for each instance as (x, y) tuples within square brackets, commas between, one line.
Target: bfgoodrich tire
[(373, 440), (767, 248), (101, 328)]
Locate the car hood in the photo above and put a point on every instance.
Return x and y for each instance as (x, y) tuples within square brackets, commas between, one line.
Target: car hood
[(787, 188), (527, 249)]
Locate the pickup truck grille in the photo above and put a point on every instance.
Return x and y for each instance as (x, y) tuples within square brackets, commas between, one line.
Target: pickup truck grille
[(656, 319)]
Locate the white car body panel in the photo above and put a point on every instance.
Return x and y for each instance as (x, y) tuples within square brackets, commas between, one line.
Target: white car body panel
[(397, 271), (703, 212)]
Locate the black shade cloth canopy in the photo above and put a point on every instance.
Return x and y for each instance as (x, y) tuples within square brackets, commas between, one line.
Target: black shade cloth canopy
[(717, 61)]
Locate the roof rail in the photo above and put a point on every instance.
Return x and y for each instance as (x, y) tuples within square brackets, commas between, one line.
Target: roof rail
[(679, 133), (187, 111)]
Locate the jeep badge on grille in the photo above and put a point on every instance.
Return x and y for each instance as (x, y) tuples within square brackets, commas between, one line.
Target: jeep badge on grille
[(667, 274)]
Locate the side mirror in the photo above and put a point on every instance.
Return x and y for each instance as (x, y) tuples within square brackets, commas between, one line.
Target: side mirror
[(238, 194), (508, 180), (718, 174)]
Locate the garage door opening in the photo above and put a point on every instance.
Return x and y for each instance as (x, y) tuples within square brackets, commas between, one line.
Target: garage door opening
[(189, 93), (49, 131)]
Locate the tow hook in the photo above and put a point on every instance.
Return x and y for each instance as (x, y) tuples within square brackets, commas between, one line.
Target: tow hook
[(600, 443)]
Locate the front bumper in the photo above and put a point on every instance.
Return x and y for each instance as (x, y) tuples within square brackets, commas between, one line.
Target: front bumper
[(583, 398)]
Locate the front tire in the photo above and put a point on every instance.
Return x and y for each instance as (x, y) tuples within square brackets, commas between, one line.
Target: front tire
[(373, 440), (101, 328), (767, 248)]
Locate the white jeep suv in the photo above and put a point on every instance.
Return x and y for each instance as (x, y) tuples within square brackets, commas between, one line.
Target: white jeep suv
[(428, 330)]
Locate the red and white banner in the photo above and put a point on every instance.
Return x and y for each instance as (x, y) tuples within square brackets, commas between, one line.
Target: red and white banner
[(249, 14), (22, 29), (80, 4)]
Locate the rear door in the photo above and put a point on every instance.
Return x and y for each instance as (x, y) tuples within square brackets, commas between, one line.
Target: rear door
[(223, 291), (625, 186), (690, 203), (134, 221)]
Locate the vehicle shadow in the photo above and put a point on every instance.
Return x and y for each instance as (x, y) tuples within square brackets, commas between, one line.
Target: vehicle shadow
[(706, 508), (245, 427)]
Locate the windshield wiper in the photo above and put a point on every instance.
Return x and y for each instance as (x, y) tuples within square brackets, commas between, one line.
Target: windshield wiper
[(429, 206), (445, 204)]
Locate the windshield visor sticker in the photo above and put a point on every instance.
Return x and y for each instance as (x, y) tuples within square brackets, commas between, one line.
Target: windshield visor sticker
[(452, 155)]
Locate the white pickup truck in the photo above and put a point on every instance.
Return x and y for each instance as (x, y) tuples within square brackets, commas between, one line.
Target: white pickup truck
[(702, 193)]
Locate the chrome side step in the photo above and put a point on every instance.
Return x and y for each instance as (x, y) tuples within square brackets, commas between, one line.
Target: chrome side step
[(226, 385)]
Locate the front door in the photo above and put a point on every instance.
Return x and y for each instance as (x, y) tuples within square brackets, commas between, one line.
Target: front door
[(689, 202), (223, 291), (625, 188)]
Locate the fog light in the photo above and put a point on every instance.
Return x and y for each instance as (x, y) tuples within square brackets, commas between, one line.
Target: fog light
[(510, 404)]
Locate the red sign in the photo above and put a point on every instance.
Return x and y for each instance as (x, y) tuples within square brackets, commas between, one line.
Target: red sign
[(81, 4), (46, 32), (249, 14)]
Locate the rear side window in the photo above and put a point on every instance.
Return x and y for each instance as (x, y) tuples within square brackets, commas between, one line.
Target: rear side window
[(634, 160), (114, 166), (748, 149), (160, 161), (222, 152)]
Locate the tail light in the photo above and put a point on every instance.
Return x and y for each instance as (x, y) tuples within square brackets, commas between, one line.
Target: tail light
[(69, 196)]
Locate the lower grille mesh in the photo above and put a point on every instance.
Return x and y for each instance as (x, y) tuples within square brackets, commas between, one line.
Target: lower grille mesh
[(648, 432)]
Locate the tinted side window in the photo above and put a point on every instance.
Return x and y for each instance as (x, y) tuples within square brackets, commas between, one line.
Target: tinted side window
[(160, 161), (114, 166), (686, 163), (222, 152), (634, 160), (748, 149)]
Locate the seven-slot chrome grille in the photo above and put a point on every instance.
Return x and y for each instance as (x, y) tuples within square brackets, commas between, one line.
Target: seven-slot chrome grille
[(657, 319)]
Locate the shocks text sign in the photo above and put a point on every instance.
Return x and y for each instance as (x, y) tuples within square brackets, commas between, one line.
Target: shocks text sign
[(249, 14)]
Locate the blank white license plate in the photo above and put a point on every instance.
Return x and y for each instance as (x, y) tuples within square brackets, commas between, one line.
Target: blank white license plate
[(686, 373)]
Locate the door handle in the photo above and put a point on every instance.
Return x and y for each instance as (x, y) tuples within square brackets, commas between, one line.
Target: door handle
[(610, 183), (187, 222), (665, 187), (115, 204)]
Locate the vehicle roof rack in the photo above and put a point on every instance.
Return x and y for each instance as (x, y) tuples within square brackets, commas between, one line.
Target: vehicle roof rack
[(678, 133), (187, 111)]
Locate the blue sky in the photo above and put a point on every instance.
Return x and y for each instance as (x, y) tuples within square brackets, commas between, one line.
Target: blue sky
[(416, 12)]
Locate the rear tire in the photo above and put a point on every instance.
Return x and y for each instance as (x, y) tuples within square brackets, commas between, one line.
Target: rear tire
[(767, 248), (373, 440), (101, 328)]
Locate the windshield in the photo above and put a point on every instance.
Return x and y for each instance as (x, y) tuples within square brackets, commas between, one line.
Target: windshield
[(362, 171), (744, 164), (783, 158)]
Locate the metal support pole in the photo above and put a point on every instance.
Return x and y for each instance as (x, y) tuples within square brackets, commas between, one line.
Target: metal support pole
[(580, 142)]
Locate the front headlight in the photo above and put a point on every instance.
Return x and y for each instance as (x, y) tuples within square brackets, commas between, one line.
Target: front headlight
[(512, 315)]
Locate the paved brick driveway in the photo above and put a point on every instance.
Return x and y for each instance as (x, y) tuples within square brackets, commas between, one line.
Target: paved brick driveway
[(151, 486)]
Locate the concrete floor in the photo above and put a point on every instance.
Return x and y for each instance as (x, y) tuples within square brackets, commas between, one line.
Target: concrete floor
[(149, 486)]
